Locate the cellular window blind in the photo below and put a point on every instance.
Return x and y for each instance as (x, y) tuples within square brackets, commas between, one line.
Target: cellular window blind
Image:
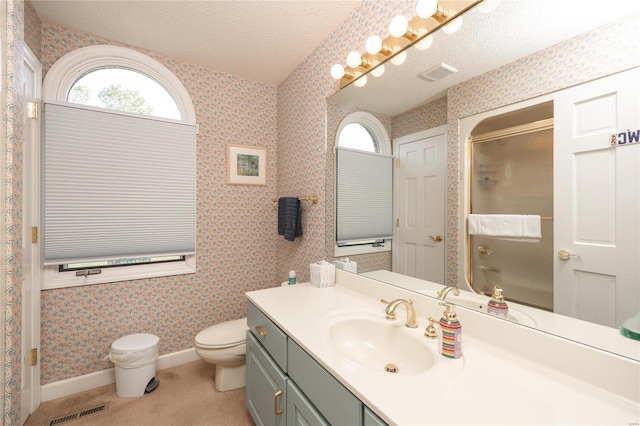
[(364, 191), (116, 185)]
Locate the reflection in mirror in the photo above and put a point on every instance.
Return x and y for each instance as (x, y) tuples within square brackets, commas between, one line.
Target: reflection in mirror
[(516, 57)]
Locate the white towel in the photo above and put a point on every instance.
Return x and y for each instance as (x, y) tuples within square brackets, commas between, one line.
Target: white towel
[(508, 226)]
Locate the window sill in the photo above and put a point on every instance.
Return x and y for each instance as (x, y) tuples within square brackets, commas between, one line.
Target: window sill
[(54, 279), (363, 249)]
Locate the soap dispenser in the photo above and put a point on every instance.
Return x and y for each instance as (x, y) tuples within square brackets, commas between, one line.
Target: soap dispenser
[(451, 332), (497, 306)]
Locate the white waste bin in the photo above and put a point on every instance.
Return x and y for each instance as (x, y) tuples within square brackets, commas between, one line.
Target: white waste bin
[(135, 358)]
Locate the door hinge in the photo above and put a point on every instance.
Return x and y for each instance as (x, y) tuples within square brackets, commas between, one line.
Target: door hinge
[(34, 234), (32, 110), (397, 162), (397, 223), (34, 356)]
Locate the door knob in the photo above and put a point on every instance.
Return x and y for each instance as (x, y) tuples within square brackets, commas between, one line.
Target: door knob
[(566, 255), (437, 239)]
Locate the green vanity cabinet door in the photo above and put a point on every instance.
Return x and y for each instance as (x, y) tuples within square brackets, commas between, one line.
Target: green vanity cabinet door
[(372, 419), (336, 403), (268, 334), (266, 392), (300, 411)]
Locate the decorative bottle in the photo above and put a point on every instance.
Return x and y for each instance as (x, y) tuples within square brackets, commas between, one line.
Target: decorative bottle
[(451, 332), (497, 306)]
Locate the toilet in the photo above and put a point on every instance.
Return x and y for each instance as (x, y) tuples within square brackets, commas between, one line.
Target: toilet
[(224, 345)]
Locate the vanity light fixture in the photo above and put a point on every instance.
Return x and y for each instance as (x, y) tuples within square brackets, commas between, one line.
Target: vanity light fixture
[(399, 27), (452, 26), (378, 71), (399, 58), (403, 33), (338, 72), (426, 8), (424, 43)]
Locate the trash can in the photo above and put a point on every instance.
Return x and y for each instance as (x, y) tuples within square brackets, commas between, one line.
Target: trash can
[(135, 358)]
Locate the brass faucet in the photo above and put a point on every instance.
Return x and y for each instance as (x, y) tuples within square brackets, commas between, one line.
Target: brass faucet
[(390, 311), (442, 294)]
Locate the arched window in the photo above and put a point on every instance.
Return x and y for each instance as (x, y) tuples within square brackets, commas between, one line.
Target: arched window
[(118, 168), (113, 65), (123, 89)]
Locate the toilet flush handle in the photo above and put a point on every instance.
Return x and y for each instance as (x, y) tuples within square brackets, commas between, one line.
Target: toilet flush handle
[(260, 331)]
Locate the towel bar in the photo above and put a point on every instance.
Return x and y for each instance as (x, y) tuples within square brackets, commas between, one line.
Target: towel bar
[(312, 198)]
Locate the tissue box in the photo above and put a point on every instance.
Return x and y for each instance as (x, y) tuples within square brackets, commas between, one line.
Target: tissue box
[(346, 265), (323, 274)]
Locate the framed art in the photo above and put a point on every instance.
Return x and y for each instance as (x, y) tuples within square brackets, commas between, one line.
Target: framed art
[(246, 165)]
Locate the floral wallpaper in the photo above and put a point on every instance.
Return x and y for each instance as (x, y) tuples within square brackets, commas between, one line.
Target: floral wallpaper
[(236, 232)]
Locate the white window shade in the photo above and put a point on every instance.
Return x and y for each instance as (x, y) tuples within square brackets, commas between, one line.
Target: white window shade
[(364, 191), (116, 185)]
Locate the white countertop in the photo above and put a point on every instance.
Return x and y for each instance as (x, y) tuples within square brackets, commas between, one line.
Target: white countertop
[(490, 384)]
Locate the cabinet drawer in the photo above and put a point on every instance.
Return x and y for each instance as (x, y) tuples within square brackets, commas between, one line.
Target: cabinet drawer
[(336, 403), (266, 332)]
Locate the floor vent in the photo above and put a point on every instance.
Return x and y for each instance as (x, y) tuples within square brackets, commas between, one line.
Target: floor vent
[(78, 415)]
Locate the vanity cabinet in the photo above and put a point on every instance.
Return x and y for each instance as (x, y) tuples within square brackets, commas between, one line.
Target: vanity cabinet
[(286, 386)]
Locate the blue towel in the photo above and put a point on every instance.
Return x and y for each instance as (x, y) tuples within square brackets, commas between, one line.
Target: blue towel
[(289, 221)]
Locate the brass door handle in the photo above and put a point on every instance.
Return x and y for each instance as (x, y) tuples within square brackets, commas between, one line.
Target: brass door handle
[(566, 255), (437, 239), (260, 331), (275, 403)]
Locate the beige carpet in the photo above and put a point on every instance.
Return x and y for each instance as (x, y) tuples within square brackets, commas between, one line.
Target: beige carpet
[(185, 396)]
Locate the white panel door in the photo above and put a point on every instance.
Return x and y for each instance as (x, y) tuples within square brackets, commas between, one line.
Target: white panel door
[(30, 374), (596, 213), (418, 247)]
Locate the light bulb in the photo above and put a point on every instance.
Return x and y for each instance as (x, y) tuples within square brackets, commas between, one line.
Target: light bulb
[(373, 45), (378, 71), (426, 8), (425, 43), (488, 6), (361, 81), (354, 59), (398, 26), (453, 26), (399, 58), (337, 71)]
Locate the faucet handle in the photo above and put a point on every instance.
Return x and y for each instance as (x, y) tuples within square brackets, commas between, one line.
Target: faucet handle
[(431, 332), (389, 315)]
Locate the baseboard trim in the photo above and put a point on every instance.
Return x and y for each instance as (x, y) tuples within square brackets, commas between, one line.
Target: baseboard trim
[(106, 377)]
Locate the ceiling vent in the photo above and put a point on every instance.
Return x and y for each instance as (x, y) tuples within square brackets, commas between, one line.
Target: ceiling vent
[(436, 73)]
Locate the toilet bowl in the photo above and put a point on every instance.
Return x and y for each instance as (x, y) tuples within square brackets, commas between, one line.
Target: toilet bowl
[(224, 344)]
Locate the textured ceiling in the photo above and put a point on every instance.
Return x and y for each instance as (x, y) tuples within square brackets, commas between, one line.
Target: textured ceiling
[(261, 40)]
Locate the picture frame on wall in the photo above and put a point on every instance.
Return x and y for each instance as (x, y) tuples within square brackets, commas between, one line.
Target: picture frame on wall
[(246, 165)]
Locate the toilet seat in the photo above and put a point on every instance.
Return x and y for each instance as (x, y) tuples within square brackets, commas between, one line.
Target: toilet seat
[(223, 335)]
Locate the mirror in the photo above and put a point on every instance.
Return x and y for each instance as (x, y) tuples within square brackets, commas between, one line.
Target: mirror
[(558, 51)]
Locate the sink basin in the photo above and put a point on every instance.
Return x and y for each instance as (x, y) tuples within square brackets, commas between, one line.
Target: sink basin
[(382, 345)]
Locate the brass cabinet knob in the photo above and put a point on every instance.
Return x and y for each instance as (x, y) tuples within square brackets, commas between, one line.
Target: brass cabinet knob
[(260, 331)]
